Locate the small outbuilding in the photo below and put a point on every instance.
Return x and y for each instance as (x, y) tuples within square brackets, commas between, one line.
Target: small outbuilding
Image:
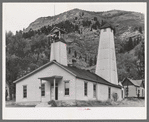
[(133, 88)]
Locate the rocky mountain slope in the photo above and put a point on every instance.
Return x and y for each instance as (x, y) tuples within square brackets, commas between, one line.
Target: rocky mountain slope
[(123, 20), (129, 26)]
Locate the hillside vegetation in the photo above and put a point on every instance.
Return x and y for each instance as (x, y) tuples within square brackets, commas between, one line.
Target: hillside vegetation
[(30, 48)]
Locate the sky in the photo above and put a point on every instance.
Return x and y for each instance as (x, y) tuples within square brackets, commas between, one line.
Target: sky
[(17, 16)]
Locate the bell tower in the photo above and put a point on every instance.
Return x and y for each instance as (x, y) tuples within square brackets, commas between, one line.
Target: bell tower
[(58, 46), (106, 58)]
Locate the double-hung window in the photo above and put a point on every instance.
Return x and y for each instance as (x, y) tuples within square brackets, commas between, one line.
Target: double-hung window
[(126, 91), (24, 91), (109, 93), (94, 90), (66, 87), (85, 88), (42, 89)]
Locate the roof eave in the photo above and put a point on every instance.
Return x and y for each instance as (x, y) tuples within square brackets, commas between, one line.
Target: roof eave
[(34, 71), (100, 83), (49, 63)]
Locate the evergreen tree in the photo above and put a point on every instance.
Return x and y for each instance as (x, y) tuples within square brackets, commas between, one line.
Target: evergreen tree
[(140, 30), (90, 62), (130, 44), (76, 28), (82, 13), (95, 18), (95, 60), (69, 50), (103, 22), (80, 57), (75, 54), (85, 59)]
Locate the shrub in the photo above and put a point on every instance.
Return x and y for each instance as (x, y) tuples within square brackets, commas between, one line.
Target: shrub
[(52, 103), (115, 96)]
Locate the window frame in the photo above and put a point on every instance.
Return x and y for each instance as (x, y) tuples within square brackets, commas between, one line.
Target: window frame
[(109, 92), (122, 93), (85, 90), (24, 91), (66, 81), (42, 90), (126, 91), (94, 90)]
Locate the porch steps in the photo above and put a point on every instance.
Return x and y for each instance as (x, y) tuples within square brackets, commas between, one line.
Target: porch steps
[(43, 104)]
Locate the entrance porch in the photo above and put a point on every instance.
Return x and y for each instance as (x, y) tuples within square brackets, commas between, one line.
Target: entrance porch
[(50, 88)]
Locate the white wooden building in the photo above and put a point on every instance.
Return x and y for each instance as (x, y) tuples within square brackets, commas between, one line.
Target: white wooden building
[(56, 80)]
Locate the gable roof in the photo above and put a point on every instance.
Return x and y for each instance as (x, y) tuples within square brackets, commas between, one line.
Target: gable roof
[(38, 69), (134, 82), (78, 73), (56, 29)]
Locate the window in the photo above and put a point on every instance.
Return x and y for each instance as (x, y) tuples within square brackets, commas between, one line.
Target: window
[(126, 91), (122, 93), (104, 30), (94, 90), (85, 88), (24, 91), (66, 87), (42, 89), (109, 93)]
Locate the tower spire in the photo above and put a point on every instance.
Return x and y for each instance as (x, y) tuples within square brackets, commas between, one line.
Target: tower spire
[(106, 59)]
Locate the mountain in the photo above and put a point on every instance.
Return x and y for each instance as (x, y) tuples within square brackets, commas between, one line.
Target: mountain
[(83, 32), (123, 20), (82, 38), (30, 48)]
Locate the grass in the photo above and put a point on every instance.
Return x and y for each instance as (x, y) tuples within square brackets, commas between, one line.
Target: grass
[(16, 105), (127, 102), (12, 103)]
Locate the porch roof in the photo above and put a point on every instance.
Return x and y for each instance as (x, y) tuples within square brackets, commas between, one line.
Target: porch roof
[(51, 77)]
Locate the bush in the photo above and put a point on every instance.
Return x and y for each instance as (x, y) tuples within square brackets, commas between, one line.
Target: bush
[(52, 103), (115, 96)]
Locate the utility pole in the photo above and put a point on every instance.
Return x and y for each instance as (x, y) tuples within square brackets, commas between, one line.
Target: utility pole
[(54, 9)]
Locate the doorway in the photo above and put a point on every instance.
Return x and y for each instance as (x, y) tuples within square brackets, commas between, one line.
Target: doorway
[(54, 97)]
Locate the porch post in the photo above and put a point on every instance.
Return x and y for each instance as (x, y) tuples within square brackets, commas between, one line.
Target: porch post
[(54, 89)]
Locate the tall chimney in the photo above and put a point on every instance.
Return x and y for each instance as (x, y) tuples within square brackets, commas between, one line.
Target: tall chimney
[(58, 47), (106, 59)]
